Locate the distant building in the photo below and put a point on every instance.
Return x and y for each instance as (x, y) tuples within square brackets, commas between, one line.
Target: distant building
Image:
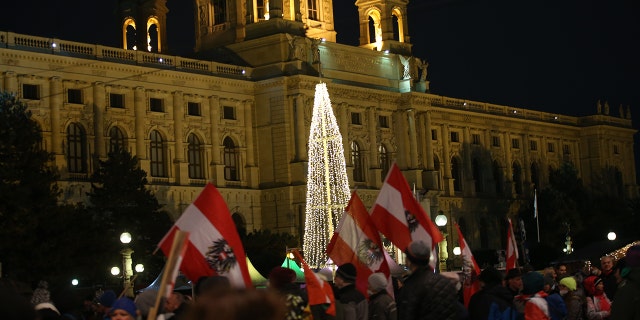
[(238, 114)]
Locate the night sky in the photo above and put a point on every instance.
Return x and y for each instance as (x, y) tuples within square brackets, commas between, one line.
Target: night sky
[(555, 56)]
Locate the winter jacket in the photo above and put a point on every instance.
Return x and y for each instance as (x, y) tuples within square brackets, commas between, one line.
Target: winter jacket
[(481, 301), (594, 307), (427, 295), (575, 306), (353, 304), (382, 307), (626, 305)]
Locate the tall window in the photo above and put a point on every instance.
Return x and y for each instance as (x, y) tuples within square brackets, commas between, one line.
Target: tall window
[(436, 167), (194, 156), (396, 27), (456, 174), (385, 162), (313, 9), (219, 11), (158, 155), (356, 160), (517, 178), (76, 149), (117, 140), (231, 157)]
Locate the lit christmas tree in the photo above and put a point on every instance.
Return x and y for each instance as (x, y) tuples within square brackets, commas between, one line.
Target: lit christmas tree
[(327, 183)]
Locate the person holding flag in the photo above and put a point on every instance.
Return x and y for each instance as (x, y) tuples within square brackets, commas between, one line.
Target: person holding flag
[(471, 268), (425, 294)]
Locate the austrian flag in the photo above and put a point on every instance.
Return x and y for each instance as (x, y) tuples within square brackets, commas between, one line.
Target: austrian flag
[(399, 216), (214, 246)]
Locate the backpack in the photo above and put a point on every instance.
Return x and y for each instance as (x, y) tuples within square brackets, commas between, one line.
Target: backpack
[(557, 307)]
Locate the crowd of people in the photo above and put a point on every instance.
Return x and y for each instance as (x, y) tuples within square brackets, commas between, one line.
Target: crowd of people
[(610, 292)]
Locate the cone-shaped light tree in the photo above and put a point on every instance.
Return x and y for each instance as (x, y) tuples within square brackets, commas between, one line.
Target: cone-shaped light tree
[(327, 183)]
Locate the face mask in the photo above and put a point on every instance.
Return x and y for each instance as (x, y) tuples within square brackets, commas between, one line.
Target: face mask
[(564, 292)]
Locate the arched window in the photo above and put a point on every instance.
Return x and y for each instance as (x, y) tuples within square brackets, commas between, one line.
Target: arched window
[(117, 141), (158, 155), (456, 174), (498, 177), (517, 178), (356, 160), (76, 149), (396, 28), (231, 157), (241, 225), (130, 37), (372, 30), (195, 158), (153, 41), (385, 161), (312, 6), (535, 175), (477, 175)]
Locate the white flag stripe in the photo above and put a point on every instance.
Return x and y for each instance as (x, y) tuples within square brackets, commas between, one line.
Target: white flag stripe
[(203, 235), (391, 199), (202, 231), (355, 238)]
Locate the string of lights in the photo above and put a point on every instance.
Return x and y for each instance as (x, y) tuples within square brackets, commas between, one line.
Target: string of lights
[(327, 183)]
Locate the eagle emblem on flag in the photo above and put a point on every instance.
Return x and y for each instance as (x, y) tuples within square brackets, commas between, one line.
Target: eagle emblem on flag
[(369, 252), (412, 222), (220, 256)]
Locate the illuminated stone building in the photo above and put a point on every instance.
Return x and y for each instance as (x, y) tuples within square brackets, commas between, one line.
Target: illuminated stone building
[(238, 114)]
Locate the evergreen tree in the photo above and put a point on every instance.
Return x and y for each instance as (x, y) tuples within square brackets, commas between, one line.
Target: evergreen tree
[(120, 201), (30, 219)]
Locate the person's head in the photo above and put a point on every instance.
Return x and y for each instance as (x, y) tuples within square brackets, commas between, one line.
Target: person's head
[(548, 283), (240, 305), (212, 286), (106, 300), (280, 278), (566, 285), (490, 277), (145, 300), (562, 270), (513, 280), (550, 272), (377, 282), (174, 301), (606, 263), (532, 282), (632, 257), (123, 309), (593, 285), (345, 275), (418, 254)]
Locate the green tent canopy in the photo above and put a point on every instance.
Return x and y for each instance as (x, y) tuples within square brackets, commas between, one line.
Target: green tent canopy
[(291, 264), (256, 278)]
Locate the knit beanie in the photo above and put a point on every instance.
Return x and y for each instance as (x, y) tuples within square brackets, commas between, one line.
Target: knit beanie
[(107, 298), (347, 272), (633, 257), (377, 282), (418, 253), (279, 277), (125, 304), (490, 276), (532, 282), (41, 293), (569, 282)]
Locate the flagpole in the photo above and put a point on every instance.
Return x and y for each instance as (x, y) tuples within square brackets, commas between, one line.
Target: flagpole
[(535, 212), (170, 270)]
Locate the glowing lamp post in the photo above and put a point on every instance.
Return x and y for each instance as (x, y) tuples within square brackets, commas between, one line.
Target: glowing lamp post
[(443, 255), (127, 270)]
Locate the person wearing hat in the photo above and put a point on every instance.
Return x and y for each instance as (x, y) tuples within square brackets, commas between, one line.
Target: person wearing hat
[(123, 309), (381, 304), (626, 304), (575, 304), (351, 304), (425, 294), (105, 302), (598, 304), (537, 303), (281, 280), (513, 281), (492, 292)]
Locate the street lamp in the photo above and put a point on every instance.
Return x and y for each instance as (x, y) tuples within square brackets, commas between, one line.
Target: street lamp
[(611, 236), (443, 255), (127, 270)]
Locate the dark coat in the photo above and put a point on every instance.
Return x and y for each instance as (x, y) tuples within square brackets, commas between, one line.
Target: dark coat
[(427, 295), (382, 307), (481, 302), (626, 305)]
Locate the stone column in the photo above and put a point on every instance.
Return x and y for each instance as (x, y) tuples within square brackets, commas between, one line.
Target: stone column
[(55, 102), (139, 111), (508, 166), (181, 166), (252, 169), (375, 173), (448, 180), (99, 105), (10, 82), (413, 142), (470, 187), (217, 167), (301, 134)]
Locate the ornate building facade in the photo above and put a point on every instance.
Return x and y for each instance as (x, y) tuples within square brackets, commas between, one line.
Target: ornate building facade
[(238, 115)]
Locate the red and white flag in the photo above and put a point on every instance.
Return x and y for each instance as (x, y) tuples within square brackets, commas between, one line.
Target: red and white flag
[(471, 284), (356, 241), (399, 216), (319, 291), (512, 249), (214, 246)]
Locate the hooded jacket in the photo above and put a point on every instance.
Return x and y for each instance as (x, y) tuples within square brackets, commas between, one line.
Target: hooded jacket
[(626, 305)]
